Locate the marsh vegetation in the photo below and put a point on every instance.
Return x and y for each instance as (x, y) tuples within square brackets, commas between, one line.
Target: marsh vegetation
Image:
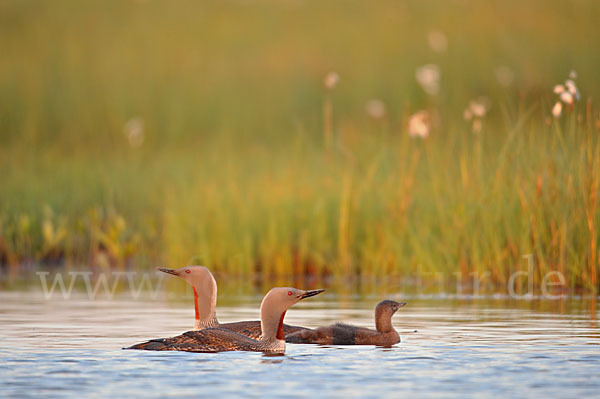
[(142, 133)]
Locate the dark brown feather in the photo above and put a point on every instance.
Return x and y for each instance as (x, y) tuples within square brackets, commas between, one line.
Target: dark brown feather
[(252, 328), (343, 334), (207, 340), (346, 334)]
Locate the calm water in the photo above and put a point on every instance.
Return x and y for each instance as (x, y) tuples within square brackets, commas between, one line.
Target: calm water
[(450, 348)]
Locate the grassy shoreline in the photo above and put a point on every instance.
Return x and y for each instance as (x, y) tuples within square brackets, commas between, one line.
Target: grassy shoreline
[(141, 134)]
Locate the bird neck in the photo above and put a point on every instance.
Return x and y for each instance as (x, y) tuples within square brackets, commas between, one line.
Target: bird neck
[(280, 335), (383, 322), (272, 327), (204, 305)]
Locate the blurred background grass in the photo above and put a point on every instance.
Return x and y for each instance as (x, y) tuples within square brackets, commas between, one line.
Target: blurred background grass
[(135, 134)]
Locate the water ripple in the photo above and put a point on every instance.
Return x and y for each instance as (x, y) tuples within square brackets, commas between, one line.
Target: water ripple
[(72, 349)]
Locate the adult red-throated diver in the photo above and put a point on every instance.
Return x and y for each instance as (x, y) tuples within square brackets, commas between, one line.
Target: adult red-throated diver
[(345, 334), (205, 301), (272, 311)]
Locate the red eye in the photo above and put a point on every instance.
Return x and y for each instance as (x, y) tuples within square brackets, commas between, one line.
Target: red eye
[(290, 293), (188, 271)]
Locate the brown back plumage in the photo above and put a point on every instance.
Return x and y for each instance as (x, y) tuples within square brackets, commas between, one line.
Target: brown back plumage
[(346, 334), (218, 339), (252, 328), (207, 340)]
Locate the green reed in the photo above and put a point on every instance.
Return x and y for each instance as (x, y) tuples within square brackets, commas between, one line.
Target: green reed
[(137, 134)]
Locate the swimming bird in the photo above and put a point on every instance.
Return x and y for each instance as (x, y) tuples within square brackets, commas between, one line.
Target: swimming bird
[(272, 311), (345, 334), (205, 301)]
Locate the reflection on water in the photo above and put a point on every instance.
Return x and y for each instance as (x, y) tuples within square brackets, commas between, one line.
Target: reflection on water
[(449, 348)]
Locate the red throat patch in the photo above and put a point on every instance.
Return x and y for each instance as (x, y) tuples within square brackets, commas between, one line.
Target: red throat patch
[(196, 303), (280, 334)]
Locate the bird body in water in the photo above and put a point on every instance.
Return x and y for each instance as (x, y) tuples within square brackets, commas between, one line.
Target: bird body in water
[(345, 334), (217, 339), (205, 302)]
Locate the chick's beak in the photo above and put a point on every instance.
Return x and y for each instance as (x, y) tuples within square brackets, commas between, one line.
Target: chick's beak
[(307, 294), (169, 271)]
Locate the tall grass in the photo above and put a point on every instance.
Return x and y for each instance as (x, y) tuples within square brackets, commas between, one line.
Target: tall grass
[(233, 171)]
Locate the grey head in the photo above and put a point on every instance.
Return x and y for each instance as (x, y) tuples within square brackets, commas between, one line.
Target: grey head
[(273, 308), (204, 286), (198, 277), (384, 312)]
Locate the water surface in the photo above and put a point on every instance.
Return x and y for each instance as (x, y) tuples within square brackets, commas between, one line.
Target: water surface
[(450, 348)]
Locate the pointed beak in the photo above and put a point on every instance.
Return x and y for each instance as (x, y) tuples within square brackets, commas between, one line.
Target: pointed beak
[(401, 304), (310, 293), (169, 271)]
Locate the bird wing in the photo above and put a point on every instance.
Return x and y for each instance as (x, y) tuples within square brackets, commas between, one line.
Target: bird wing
[(208, 340), (335, 334), (248, 328), (252, 329)]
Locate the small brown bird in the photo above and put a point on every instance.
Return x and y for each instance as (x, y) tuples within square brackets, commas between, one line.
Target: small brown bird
[(205, 302), (272, 339), (345, 334)]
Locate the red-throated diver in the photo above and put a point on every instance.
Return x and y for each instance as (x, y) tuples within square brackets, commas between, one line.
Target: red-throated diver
[(345, 334), (272, 311), (205, 301)]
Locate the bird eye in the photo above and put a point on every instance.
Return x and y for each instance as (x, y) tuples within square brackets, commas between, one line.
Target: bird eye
[(188, 271), (290, 293)]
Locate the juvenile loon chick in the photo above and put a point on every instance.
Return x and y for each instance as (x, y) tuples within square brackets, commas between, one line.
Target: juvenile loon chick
[(345, 334), (272, 311), (205, 302)]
